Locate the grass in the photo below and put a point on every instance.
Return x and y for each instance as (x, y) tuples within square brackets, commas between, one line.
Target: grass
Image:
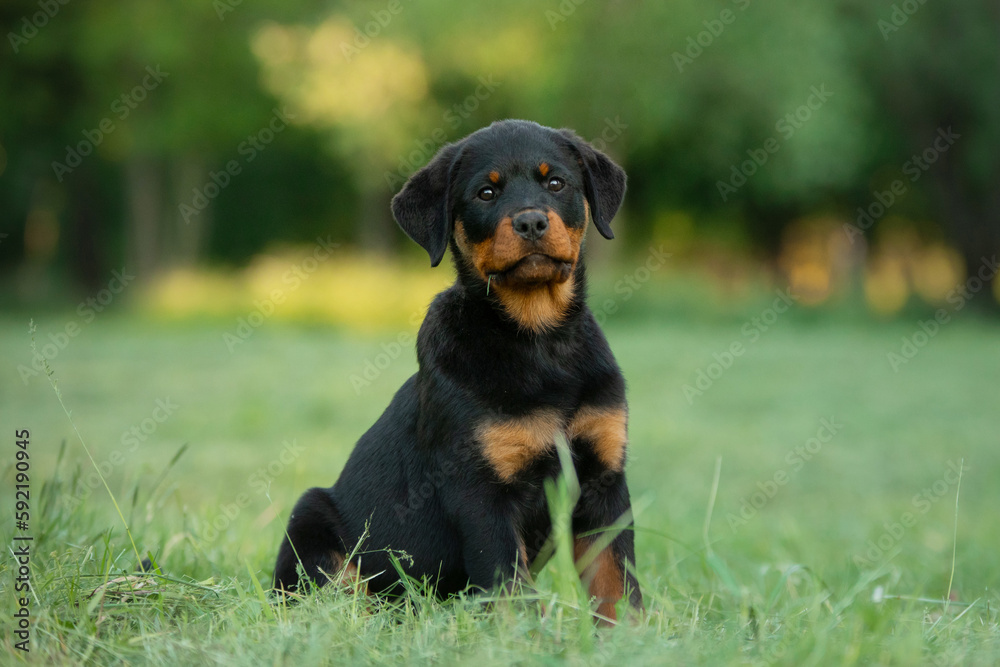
[(770, 510)]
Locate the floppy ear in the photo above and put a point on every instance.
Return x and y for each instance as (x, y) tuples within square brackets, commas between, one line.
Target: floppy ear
[(604, 182), (423, 207)]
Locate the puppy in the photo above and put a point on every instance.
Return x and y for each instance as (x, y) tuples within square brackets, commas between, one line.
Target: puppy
[(510, 356)]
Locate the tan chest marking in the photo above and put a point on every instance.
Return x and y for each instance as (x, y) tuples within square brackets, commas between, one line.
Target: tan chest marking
[(605, 429), (540, 308), (512, 444)]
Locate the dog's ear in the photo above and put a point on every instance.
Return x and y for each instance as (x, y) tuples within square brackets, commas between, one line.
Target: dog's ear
[(423, 207), (604, 182)]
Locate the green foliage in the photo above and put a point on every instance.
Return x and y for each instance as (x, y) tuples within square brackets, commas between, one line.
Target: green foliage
[(683, 94)]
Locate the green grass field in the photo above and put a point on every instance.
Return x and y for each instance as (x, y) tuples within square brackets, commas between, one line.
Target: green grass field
[(832, 537)]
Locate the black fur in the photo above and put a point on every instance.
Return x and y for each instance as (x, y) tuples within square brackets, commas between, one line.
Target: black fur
[(418, 479)]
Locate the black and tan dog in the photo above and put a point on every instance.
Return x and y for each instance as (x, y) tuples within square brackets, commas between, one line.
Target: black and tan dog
[(510, 356)]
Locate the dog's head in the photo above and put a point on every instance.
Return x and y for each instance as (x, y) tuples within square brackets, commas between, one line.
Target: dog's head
[(514, 200)]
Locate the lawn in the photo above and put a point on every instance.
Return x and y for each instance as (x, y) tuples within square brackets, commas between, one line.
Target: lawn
[(798, 508)]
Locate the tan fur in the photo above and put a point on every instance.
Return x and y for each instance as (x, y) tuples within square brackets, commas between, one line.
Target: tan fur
[(543, 168), (523, 567), (346, 573), (607, 431), (493, 255), (501, 250), (511, 444), (464, 246), (494, 177), (604, 578), (536, 306)]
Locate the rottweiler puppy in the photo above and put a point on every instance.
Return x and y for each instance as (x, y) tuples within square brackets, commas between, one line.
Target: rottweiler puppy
[(510, 356)]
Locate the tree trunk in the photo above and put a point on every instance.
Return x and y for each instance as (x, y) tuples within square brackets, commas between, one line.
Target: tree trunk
[(974, 226), (144, 237), (190, 236), (85, 234)]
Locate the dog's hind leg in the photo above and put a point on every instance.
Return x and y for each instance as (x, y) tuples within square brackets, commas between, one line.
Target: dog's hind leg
[(313, 539)]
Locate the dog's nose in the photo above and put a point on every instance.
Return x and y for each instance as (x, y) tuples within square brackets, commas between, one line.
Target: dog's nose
[(531, 225)]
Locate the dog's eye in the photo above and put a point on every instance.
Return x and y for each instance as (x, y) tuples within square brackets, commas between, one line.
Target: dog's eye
[(486, 194), (555, 184)]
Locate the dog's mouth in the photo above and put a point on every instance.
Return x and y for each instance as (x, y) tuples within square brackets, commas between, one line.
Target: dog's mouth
[(534, 269)]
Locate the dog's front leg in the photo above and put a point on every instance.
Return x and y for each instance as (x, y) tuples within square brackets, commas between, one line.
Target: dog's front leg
[(604, 544), (494, 549), (493, 552)]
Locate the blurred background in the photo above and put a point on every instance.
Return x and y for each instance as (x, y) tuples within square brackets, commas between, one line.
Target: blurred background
[(848, 149), (194, 209)]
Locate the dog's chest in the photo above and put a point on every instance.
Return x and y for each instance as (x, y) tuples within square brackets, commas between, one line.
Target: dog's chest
[(511, 445), (517, 379)]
